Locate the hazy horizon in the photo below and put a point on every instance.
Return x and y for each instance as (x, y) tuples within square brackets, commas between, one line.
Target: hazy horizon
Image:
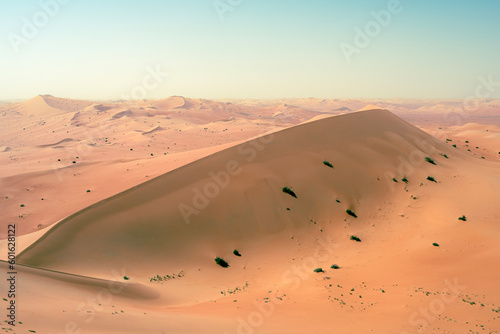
[(249, 49)]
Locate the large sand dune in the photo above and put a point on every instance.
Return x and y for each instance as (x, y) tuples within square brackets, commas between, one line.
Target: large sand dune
[(104, 267)]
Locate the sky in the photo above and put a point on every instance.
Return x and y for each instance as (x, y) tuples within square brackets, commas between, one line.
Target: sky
[(120, 49)]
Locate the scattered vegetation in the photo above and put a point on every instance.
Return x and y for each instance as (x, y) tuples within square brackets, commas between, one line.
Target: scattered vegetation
[(355, 238), (429, 160), (394, 179), (328, 164), (455, 146), (462, 218), (430, 178), (126, 278), (235, 290), (88, 190), (444, 155), (435, 244), (159, 278), (350, 213), (468, 301), (337, 200), (289, 191), (334, 266), (22, 205), (221, 262), (404, 179), (235, 252), (318, 270)]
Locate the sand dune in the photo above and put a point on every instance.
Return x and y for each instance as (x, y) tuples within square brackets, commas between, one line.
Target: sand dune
[(125, 113), (348, 141), (154, 209), (65, 140), (66, 105), (370, 107), (170, 103)]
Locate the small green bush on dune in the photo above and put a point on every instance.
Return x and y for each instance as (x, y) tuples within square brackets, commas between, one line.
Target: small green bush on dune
[(318, 270), (355, 238), (350, 213), (328, 164), (430, 178), (429, 160), (221, 262), (462, 218), (289, 191)]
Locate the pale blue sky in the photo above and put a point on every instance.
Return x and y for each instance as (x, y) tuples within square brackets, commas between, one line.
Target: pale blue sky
[(261, 49)]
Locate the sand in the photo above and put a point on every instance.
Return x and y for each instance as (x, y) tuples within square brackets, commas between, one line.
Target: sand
[(164, 187)]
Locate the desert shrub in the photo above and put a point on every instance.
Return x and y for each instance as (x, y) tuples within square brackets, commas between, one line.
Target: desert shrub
[(328, 164), (430, 178), (334, 266), (350, 213), (404, 179), (126, 278), (318, 270), (235, 252), (462, 218), (160, 279), (455, 146), (88, 190), (221, 262), (337, 200), (394, 179), (289, 191), (355, 238), (22, 205), (435, 244), (444, 155), (429, 160)]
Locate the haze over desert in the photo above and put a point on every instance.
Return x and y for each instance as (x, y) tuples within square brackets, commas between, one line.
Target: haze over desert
[(249, 167)]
